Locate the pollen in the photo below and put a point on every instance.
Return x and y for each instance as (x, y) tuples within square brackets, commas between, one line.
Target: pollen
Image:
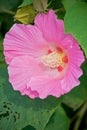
[(54, 60)]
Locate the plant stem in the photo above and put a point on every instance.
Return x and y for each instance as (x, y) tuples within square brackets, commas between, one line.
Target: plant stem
[(8, 11), (80, 115)]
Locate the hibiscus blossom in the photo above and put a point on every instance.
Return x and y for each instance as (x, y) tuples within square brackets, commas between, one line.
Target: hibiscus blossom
[(42, 60)]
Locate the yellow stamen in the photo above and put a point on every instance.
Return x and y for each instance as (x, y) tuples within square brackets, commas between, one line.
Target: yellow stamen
[(53, 60)]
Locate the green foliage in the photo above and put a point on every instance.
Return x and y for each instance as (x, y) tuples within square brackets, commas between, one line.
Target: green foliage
[(76, 23), (58, 7), (28, 128), (2, 62), (7, 10), (1, 41), (6, 22), (26, 2), (6, 5), (68, 3), (57, 123), (55, 4)]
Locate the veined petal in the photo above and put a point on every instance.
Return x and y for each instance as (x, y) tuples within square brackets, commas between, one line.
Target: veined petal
[(24, 40), (44, 85), (52, 29), (21, 69), (76, 56), (69, 42), (69, 81), (72, 47)]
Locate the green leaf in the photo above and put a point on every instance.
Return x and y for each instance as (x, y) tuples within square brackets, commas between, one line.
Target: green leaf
[(58, 121), (17, 112), (26, 2), (1, 43), (28, 128), (6, 5), (25, 14), (78, 95), (76, 23), (68, 3), (2, 61)]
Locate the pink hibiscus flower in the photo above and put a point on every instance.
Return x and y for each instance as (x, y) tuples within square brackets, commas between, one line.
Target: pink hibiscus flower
[(42, 59)]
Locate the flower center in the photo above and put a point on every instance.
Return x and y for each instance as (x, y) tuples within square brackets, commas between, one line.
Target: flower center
[(55, 59)]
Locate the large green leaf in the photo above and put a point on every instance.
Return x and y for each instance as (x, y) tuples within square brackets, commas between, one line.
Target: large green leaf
[(78, 95), (18, 111), (58, 121), (76, 23), (68, 3)]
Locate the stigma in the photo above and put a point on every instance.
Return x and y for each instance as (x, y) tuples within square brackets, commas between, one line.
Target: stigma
[(55, 59)]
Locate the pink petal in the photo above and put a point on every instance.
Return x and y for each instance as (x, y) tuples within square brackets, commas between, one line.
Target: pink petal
[(69, 42), (75, 70), (21, 69), (23, 40), (52, 29), (41, 84), (72, 47), (76, 57), (58, 91), (30, 93), (45, 86), (69, 82)]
